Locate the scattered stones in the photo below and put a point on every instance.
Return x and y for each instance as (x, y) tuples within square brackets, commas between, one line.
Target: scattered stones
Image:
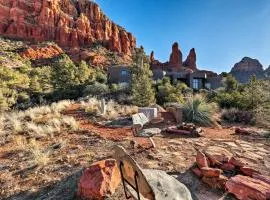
[(99, 180), (244, 187)]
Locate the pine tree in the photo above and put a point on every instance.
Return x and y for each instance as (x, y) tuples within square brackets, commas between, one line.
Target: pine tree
[(142, 89)]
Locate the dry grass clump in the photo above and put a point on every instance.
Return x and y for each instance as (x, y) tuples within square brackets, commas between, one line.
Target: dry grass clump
[(39, 156), (113, 109), (38, 122)]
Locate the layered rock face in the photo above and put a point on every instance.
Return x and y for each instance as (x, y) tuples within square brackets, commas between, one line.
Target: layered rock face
[(247, 67), (67, 22)]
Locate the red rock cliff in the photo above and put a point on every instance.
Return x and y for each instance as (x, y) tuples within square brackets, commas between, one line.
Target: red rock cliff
[(70, 23)]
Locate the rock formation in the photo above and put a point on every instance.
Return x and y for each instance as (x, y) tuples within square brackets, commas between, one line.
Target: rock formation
[(191, 60), (69, 23), (247, 67), (176, 57), (267, 72)]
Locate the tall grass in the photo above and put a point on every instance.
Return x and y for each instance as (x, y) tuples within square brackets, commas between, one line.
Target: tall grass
[(113, 110), (197, 110)]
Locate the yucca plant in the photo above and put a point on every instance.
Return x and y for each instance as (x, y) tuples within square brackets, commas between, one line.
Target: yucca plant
[(197, 110)]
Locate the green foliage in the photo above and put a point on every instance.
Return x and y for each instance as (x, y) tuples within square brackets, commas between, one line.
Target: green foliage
[(64, 73), (12, 84), (84, 73), (41, 80), (229, 83), (141, 85), (167, 92), (233, 99), (199, 111), (96, 89)]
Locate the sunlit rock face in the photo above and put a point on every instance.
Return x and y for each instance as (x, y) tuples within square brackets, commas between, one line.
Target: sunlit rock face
[(69, 23), (246, 68)]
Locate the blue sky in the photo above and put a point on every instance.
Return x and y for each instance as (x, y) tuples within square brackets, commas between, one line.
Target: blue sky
[(221, 31)]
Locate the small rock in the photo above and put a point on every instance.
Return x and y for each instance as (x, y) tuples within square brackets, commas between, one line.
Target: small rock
[(216, 182), (201, 160), (99, 180), (218, 155), (211, 172)]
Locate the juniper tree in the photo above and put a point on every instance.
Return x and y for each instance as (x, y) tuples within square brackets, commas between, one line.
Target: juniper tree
[(142, 90)]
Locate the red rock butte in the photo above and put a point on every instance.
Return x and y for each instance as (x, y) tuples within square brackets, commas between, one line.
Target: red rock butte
[(69, 23), (175, 62)]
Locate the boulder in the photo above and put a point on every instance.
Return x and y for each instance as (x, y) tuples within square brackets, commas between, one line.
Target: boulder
[(242, 131), (201, 160), (99, 180), (210, 172), (166, 187), (217, 155), (244, 187)]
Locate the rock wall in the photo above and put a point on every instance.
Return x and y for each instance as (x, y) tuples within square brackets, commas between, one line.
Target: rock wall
[(67, 22)]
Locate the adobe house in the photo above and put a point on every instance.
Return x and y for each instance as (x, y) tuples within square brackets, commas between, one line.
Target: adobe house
[(119, 74)]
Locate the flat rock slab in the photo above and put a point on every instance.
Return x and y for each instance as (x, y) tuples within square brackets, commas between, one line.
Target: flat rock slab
[(148, 132), (244, 187), (150, 113)]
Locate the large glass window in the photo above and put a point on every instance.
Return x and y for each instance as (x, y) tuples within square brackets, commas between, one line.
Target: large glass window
[(195, 84), (124, 72)]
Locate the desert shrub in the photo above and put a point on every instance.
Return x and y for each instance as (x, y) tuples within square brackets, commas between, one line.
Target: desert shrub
[(113, 109), (41, 121), (233, 99), (167, 92), (96, 89), (196, 109), (239, 116)]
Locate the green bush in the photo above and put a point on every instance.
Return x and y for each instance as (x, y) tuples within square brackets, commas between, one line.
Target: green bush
[(96, 89), (198, 111), (239, 116)]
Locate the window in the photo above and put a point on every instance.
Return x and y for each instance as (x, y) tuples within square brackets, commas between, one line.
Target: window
[(195, 84), (124, 72), (208, 85)]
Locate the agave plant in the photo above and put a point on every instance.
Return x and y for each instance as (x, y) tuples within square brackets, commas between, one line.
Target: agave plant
[(197, 110)]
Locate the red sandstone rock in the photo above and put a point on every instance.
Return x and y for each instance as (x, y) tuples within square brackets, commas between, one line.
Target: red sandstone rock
[(191, 60), (244, 187), (99, 180), (227, 167), (197, 172), (68, 23), (217, 155), (216, 182), (249, 171), (176, 58), (263, 178), (211, 172), (34, 53), (201, 160), (237, 162)]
